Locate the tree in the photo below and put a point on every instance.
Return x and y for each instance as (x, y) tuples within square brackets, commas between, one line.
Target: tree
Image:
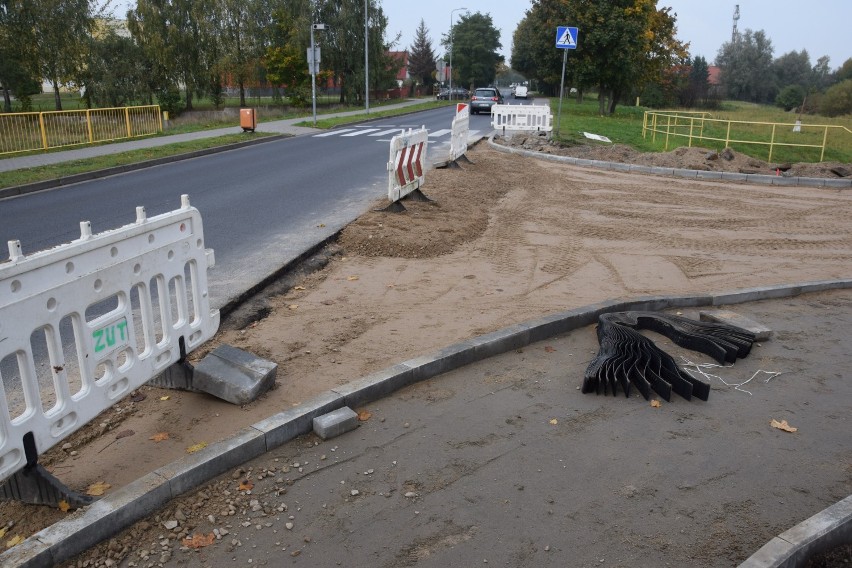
[(793, 68), (746, 65), (18, 70), (623, 45), (241, 28), (285, 59), (343, 45), (821, 74), (60, 35), (421, 60), (172, 35), (845, 71), (837, 100), (115, 71), (474, 42)]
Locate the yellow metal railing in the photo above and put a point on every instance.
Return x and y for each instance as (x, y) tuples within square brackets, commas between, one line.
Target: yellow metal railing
[(28, 131), (698, 126)]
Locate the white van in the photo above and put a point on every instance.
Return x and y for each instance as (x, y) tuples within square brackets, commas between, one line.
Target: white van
[(521, 92)]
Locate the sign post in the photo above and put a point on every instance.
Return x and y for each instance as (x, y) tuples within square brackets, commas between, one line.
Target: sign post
[(313, 64), (566, 38)]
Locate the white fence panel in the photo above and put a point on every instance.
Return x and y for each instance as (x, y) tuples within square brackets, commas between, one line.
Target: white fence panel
[(84, 323), (522, 118), (460, 132), (405, 167)]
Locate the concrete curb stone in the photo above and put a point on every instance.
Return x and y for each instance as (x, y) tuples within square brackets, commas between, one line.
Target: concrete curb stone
[(118, 510), (679, 172)]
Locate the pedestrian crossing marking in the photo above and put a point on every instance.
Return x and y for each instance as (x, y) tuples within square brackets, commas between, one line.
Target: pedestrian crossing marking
[(362, 131)]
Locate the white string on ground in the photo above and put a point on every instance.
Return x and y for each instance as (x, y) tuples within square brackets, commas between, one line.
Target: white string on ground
[(699, 369)]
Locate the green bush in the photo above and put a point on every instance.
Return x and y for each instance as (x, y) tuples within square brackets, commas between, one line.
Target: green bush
[(837, 100), (790, 97), (170, 100)]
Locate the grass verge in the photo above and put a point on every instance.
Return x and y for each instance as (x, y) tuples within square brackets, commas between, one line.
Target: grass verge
[(54, 171)]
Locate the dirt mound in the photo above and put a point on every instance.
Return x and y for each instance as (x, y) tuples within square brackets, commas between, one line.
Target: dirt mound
[(686, 158)]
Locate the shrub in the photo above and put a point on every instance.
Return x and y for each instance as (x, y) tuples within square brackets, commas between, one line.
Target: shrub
[(790, 97), (837, 100)]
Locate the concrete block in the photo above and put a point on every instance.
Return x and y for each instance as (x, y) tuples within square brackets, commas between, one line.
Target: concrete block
[(682, 173), (196, 469), (641, 169), (785, 181), (234, 375), (755, 294), (442, 361), (335, 423), (498, 342), (760, 331), (734, 176), (771, 554), (821, 532), (32, 553), (700, 174), (619, 167), (823, 285), (284, 426), (759, 178), (660, 171), (106, 517), (838, 183), (376, 385)]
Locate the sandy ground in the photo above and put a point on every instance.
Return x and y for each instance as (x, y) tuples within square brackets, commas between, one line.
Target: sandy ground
[(507, 239)]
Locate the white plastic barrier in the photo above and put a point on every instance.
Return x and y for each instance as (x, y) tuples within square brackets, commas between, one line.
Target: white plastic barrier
[(405, 167), (85, 323), (460, 132), (522, 118)]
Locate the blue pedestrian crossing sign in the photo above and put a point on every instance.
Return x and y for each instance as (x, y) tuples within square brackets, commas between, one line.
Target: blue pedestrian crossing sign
[(566, 38)]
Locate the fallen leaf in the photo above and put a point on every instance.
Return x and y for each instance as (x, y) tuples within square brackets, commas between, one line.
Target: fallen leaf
[(299, 288), (160, 437), (321, 225), (292, 306), (167, 397), (352, 278), (2, 532), (196, 447), (549, 349), (199, 540), (655, 403), (97, 489), (124, 434), (364, 415), (64, 506), (14, 541), (782, 426), (138, 397), (554, 421), (246, 485)]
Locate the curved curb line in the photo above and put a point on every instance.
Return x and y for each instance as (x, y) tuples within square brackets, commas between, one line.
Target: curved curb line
[(17, 190), (87, 527), (820, 533), (678, 172)]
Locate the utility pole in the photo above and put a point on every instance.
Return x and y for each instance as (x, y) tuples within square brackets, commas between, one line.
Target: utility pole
[(366, 61), (736, 17)]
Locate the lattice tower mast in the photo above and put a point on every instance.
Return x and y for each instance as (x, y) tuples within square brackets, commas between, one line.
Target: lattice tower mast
[(736, 17)]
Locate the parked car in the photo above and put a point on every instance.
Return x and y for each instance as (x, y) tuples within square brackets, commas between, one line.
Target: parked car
[(520, 92), (484, 98), (458, 93)]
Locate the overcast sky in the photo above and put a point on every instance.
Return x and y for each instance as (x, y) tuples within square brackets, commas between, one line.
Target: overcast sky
[(820, 26)]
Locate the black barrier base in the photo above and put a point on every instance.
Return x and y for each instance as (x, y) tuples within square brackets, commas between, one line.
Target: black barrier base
[(418, 195), (465, 159), (394, 207), (34, 485)]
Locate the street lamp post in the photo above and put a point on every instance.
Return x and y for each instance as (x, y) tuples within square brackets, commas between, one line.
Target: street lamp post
[(450, 92), (314, 64), (366, 61)]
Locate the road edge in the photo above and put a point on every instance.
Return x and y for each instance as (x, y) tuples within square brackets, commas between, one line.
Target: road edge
[(87, 527)]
